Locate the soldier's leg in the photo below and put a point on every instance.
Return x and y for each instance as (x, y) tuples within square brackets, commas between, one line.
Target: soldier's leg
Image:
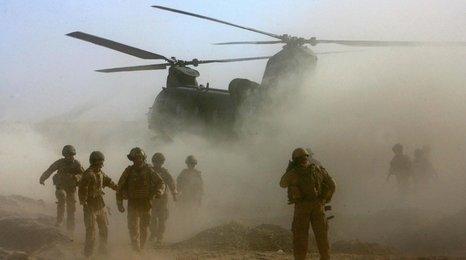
[(144, 223), (102, 223), (300, 228), (162, 219), (70, 209), (154, 220), (319, 226), (89, 223), (61, 198), (133, 227)]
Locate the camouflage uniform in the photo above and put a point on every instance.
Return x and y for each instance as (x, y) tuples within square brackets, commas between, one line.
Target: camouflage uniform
[(91, 197), (139, 185), (311, 187), (423, 169), (68, 174), (190, 186), (160, 205), (400, 166)]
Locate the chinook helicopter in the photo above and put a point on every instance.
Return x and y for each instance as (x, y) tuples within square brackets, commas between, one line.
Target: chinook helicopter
[(183, 105), (295, 60)]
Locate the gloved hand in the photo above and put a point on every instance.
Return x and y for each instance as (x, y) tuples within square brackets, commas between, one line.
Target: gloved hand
[(121, 208), (41, 182)]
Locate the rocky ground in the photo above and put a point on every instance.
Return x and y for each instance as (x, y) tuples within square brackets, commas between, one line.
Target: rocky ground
[(27, 232)]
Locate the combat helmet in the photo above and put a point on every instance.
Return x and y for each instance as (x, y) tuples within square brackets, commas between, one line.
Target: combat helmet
[(68, 150), (135, 152), (158, 158), (299, 153), (397, 148), (191, 159), (96, 156)]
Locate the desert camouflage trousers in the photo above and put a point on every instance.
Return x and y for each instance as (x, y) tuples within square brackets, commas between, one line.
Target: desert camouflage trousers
[(66, 199), (159, 216), (91, 218), (138, 224), (312, 213)]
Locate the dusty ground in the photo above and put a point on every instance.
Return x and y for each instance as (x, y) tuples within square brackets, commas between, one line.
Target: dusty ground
[(26, 230)]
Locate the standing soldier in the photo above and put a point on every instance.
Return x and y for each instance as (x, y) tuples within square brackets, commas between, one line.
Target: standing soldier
[(138, 184), (311, 188), (422, 168), (400, 166), (190, 184), (91, 197), (69, 171), (160, 205)]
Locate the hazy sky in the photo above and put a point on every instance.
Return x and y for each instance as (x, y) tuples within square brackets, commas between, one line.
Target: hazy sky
[(44, 73)]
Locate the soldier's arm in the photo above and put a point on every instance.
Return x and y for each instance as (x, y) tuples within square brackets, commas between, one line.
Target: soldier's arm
[(122, 184), (286, 179), (157, 183), (107, 182), (79, 172), (83, 188), (171, 183), (330, 184), (52, 168), (179, 181)]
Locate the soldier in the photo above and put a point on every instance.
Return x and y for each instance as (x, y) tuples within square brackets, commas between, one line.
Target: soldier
[(311, 188), (400, 166), (423, 169), (138, 184), (190, 184), (160, 205), (69, 171), (91, 198)]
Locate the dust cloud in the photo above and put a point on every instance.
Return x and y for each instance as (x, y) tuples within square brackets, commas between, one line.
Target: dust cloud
[(353, 108)]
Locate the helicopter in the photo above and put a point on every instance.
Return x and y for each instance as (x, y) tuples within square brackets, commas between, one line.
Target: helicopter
[(296, 60), (183, 104)]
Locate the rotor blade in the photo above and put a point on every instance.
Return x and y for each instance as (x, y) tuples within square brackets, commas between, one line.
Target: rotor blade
[(217, 20), (231, 60), (333, 52), (248, 42), (389, 43), (117, 46), (137, 68)]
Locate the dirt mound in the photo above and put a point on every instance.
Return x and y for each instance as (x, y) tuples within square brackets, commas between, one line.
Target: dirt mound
[(361, 248), (234, 236), (20, 206), (268, 237), (29, 235)]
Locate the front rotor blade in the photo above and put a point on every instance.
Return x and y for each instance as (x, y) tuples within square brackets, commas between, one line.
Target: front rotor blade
[(248, 42), (217, 20), (233, 60), (117, 46), (137, 68), (388, 43)]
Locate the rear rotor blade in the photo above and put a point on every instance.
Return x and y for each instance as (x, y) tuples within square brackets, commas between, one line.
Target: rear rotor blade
[(388, 43), (137, 68), (230, 60), (217, 20), (248, 42), (117, 46)]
